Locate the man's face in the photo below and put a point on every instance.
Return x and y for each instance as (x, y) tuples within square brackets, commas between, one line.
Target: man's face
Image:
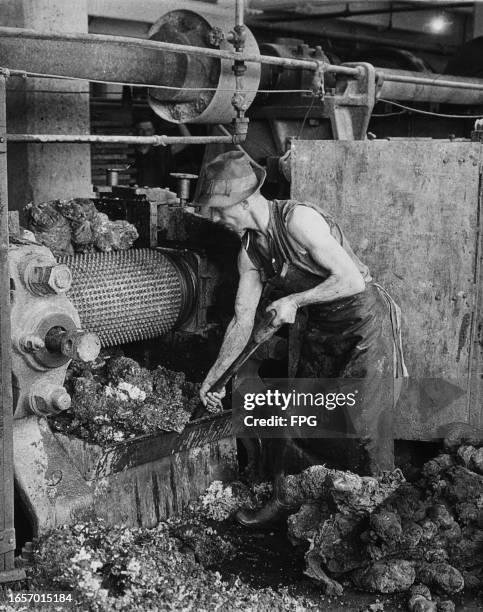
[(145, 128), (232, 217)]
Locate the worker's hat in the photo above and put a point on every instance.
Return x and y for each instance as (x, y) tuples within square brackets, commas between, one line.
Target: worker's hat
[(228, 179)]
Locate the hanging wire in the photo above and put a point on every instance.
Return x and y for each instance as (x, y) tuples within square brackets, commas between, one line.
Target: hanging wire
[(431, 113), (396, 114), (22, 74), (25, 74), (305, 117), (265, 91)]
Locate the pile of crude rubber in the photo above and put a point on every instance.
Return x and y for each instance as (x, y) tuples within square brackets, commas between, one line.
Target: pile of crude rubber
[(387, 535), (75, 226), (115, 398), (137, 569)]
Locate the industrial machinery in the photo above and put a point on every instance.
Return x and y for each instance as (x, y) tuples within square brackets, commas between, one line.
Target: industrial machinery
[(272, 95), (46, 332), (120, 297)]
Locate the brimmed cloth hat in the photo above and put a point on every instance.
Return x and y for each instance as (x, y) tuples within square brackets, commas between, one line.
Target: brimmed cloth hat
[(229, 179)]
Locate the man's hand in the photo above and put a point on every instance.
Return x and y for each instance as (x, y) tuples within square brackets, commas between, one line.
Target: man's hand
[(211, 400), (285, 309)]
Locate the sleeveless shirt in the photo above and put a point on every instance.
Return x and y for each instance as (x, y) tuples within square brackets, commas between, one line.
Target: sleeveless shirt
[(282, 249), (359, 316)]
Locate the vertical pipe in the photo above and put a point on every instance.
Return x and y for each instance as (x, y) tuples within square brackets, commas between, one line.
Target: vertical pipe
[(239, 69), (6, 408), (239, 13)]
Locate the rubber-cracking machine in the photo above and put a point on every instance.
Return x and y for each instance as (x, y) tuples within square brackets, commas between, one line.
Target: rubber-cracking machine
[(198, 72), (67, 309)]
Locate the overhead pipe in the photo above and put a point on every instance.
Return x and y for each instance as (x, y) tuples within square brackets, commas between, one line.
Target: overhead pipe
[(89, 49), (277, 13), (264, 5), (99, 138), (349, 31), (404, 85), (294, 5)]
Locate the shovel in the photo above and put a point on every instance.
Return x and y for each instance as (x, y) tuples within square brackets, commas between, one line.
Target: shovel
[(262, 332)]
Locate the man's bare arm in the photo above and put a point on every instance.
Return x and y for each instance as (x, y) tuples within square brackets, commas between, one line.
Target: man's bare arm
[(312, 232), (240, 328)]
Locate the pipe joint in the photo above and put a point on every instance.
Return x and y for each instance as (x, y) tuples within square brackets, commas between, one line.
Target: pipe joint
[(318, 81), (238, 38), (240, 127)]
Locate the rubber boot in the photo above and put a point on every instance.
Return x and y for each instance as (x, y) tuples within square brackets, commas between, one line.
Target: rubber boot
[(273, 513)]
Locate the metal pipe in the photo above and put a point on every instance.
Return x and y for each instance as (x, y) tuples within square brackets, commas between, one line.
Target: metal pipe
[(422, 90), (437, 80), (266, 5), (406, 85), (278, 14), (239, 69), (125, 42), (239, 13), (98, 138), (347, 31)]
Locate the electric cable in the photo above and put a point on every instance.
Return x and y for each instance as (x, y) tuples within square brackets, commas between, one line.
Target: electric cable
[(396, 114), (24, 74), (305, 117), (431, 113)]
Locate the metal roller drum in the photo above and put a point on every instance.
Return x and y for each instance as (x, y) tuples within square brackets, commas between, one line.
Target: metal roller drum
[(124, 296)]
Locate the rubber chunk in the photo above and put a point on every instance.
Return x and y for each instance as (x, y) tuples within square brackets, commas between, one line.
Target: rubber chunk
[(390, 576), (441, 576)]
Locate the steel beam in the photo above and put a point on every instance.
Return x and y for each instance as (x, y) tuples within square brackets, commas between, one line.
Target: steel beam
[(127, 10), (7, 535)]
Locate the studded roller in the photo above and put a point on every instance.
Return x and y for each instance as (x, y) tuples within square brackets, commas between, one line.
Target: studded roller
[(124, 296)]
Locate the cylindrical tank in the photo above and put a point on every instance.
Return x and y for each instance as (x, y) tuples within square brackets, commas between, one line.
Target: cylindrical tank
[(208, 82)]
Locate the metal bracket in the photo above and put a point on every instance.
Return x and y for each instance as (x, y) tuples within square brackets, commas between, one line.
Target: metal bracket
[(215, 37), (350, 105), (7, 541), (318, 81)]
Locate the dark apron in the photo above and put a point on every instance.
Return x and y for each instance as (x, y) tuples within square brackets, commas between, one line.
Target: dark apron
[(355, 337), (350, 337)]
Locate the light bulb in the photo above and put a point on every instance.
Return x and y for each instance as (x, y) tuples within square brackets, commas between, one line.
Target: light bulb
[(439, 24)]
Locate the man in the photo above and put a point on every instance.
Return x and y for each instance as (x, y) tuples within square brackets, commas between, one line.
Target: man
[(351, 326), (153, 164)]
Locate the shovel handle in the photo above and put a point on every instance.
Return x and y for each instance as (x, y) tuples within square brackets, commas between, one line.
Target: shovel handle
[(264, 330)]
